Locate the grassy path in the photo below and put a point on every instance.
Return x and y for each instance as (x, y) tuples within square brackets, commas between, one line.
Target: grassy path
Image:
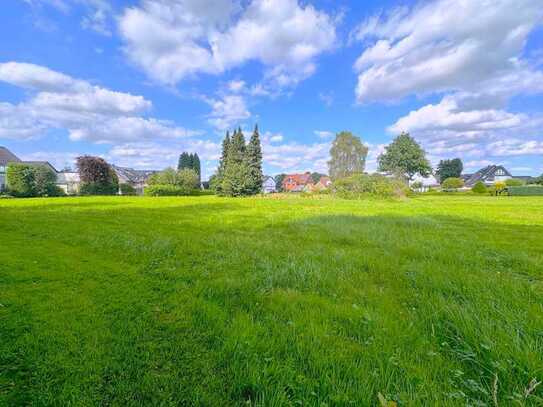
[(218, 302)]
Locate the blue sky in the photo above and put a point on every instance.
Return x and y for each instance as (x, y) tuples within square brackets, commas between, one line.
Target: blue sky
[(140, 81)]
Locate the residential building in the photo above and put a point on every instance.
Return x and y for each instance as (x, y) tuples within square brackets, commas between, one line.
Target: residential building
[(492, 174), (489, 175), (6, 157), (324, 183), (296, 182), (136, 178), (268, 185), (424, 183), (69, 182)]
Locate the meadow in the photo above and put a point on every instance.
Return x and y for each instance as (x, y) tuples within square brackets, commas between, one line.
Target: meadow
[(206, 301)]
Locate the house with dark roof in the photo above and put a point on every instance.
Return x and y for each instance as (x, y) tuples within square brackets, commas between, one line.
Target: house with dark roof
[(6, 157), (491, 174), (66, 180), (136, 178)]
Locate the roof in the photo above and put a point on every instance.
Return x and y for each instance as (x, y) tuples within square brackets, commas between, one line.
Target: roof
[(300, 179), (132, 175), (325, 180), (487, 173), (44, 163), (7, 156), (268, 178)]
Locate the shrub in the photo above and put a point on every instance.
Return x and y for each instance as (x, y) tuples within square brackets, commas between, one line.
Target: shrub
[(167, 190), (20, 180), (479, 188), (45, 182), (127, 189), (186, 180), (525, 190), (375, 185), (452, 184), (512, 182), (94, 188)]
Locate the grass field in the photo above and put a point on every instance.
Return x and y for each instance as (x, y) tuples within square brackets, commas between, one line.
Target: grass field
[(217, 302)]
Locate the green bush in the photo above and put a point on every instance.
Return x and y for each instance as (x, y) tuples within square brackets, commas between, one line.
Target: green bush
[(512, 182), (96, 188), (526, 190), (127, 189), (375, 185), (20, 180), (168, 190), (452, 184), (479, 188), (26, 180)]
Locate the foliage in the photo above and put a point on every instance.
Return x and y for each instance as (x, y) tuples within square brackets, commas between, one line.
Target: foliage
[(479, 188), (190, 161), (240, 167), (20, 180), (347, 156), (93, 188), (167, 190), (45, 182), (127, 189), (525, 190), (254, 162), (237, 180), (375, 185), (209, 301), (316, 176), (452, 184), (97, 176), (27, 180), (279, 182), (186, 180), (415, 186), (513, 182), (404, 157), (449, 169)]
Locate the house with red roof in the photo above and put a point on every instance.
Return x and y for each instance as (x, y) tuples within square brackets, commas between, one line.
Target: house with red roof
[(296, 182)]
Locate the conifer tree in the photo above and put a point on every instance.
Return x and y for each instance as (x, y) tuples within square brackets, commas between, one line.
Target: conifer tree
[(221, 169), (184, 161), (254, 162), (196, 166), (236, 151)]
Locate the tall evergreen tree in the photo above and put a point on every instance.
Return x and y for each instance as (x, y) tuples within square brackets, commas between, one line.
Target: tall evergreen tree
[(236, 151), (221, 169), (197, 166), (254, 162), (184, 161)]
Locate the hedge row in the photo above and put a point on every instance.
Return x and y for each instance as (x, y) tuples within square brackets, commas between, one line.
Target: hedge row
[(525, 191)]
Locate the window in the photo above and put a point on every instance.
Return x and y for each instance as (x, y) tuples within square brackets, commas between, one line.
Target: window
[(500, 172), (2, 169)]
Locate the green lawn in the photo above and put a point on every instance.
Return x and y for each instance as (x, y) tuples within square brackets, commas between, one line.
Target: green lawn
[(217, 302)]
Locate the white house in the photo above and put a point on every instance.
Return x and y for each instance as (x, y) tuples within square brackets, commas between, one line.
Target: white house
[(269, 186), (425, 182), (69, 182)]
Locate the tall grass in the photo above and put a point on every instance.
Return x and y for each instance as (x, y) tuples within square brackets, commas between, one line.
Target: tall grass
[(208, 301)]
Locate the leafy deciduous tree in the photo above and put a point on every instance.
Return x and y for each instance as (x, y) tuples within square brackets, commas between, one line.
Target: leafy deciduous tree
[(449, 169), (348, 156), (404, 157)]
